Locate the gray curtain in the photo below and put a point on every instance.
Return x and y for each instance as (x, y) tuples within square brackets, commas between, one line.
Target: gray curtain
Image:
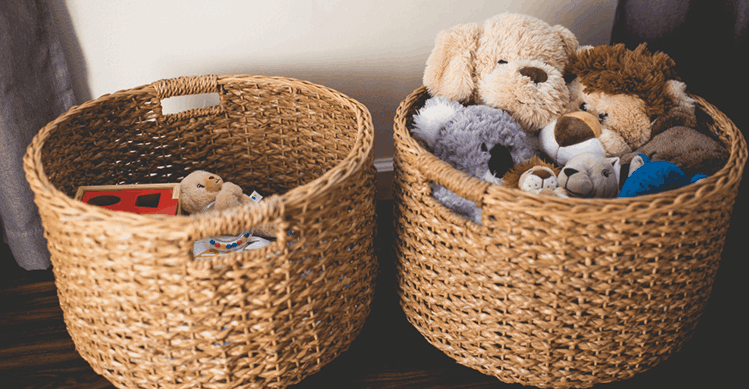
[(707, 38), (709, 42), (35, 88)]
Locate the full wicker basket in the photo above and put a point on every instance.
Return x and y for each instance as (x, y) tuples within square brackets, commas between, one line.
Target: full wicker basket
[(557, 292), (139, 307)]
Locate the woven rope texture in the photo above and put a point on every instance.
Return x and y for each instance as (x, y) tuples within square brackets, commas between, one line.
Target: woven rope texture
[(557, 292), (140, 309)]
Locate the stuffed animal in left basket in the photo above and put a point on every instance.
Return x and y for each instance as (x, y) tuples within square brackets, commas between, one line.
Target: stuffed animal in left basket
[(478, 140), (202, 191), (511, 61)]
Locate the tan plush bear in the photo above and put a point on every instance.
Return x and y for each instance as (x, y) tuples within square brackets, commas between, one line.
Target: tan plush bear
[(512, 62), (590, 175), (634, 94), (202, 191)]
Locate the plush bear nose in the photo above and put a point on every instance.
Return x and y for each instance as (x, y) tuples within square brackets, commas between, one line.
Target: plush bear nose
[(535, 74), (569, 172), (213, 184), (500, 161)]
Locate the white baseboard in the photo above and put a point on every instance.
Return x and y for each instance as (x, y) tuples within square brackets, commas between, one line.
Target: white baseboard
[(384, 185), (384, 164)]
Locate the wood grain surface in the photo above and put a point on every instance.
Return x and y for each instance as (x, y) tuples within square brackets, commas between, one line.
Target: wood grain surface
[(37, 352)]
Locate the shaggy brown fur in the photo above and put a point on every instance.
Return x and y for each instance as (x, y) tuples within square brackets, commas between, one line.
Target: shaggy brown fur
[(616, 70), (512, 177)]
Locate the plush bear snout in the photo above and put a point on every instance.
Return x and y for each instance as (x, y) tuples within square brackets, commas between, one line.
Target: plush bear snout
[(569, 172), (213, 183), (583, 186), (535, 74)]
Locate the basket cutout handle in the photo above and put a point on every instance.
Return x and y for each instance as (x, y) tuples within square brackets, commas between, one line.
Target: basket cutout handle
[(441, 173), (188, 97), (240, 219)]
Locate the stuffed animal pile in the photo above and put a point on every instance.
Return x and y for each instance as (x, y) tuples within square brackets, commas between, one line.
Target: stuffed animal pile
[(202, 191), (519, 103)]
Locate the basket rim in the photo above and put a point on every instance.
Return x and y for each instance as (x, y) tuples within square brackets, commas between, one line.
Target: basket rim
[(481, 190), (356, 158)]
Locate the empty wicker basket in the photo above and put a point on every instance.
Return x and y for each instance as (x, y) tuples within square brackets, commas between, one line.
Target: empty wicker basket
[(140, 309), (557, 292)]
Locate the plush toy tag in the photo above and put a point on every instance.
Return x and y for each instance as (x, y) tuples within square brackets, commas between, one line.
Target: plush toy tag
[(256, 196)]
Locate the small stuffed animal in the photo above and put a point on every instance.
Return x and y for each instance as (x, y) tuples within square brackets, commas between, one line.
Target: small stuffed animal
[(572, 134), (535, 176), (648, 177), (202, 191), (542, 181), (692, 151), (590, 175), (512, 62), (634, 94), (481, 141)]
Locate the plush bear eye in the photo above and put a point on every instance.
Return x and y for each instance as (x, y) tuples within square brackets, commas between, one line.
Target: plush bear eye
[(501, 62), (484, 148), (583, 107), (200, 186), (602, 116)]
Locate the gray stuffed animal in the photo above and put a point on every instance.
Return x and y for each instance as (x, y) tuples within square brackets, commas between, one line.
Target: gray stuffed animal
[(479, 140)]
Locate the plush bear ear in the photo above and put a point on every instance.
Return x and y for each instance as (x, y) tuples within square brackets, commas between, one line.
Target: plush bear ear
[(677, 90), (450, 67), (568, 39), (682, 111), (432, 118)]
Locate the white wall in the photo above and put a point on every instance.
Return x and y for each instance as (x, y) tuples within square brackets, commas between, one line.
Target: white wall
[(373, 51)]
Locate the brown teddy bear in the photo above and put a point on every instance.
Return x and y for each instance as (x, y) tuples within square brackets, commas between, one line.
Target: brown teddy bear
[(634, 94), (202, 191), (512, 62), (692, 151)]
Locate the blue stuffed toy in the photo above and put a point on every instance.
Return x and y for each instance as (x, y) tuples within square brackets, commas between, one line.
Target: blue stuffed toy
[(648, 177)]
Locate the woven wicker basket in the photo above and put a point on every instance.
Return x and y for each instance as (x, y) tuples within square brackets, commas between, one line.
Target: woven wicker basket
[(140, 309), (557, 292)]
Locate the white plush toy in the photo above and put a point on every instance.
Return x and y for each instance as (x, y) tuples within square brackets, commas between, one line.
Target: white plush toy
[(573, 134)]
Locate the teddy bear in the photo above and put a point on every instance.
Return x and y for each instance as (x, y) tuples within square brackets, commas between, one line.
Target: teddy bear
[(633, 94), (585, 175), (689, 149), (510, 61), (590, 175), (572, 134), (478, 140), (202, 191)]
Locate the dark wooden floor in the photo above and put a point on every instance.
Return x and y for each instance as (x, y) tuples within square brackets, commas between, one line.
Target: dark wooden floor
[(37, 352)]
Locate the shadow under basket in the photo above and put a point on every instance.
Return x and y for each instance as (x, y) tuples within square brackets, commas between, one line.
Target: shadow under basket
[(556, 292), (141, 310)]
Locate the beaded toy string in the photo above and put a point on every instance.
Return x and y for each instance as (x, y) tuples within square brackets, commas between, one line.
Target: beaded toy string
[(225, 246)]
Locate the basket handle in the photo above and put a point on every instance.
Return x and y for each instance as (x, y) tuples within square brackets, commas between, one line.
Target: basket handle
[(238, 219), (441, 173), (185, 86), (181, 86)]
